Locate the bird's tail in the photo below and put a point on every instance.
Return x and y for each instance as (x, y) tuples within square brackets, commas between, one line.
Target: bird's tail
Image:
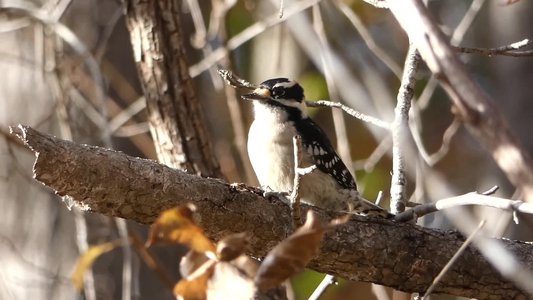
[(361, 206)]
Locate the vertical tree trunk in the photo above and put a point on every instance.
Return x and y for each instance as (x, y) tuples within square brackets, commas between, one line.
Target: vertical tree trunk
[(176, 119)]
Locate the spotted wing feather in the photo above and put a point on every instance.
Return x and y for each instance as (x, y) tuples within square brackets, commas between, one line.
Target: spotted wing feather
[(316, 143)]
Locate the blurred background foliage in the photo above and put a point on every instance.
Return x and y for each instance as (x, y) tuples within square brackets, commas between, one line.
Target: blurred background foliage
[(47, 82)]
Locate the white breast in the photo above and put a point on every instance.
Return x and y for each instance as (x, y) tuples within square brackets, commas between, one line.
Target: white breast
[(270, 149)]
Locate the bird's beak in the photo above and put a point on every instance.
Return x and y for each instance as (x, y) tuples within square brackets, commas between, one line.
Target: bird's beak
[(258, 94)]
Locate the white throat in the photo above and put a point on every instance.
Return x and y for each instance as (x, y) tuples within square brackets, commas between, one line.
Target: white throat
[(269, 113)]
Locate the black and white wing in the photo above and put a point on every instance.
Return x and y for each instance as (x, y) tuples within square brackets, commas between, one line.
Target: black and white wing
[(316, 143)]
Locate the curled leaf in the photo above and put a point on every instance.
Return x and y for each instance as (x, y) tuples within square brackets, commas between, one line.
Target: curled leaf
[(232, 246), (176, 225), (190, 262), (292, 254), (194, 287)]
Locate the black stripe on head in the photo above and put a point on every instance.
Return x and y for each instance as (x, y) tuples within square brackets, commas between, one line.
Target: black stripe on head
[(283, 88)]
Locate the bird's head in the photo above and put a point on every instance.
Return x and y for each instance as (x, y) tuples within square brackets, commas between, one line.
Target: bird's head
[(279, 92)]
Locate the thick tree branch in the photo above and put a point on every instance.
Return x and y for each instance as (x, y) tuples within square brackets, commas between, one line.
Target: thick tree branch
[(472, 105), (399, 255)]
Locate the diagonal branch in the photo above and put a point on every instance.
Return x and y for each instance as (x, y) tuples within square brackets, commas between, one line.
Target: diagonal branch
[(403, 256), (473, 106)]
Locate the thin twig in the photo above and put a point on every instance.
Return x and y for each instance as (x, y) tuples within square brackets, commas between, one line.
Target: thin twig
[(379, 198), (248, 34), (199, 39), (378, 3), (234, 80), (295, 194), (122, 228), (491, 191), (372, 160), (339, 124), (108, 30), (472, 198), (368, 39), (435, 157), (400, 131), (281, 5), (132, 130), (507, 50), (126, 114), (502, 259), (457, 37), (352, 112), (56, 9), (321, 288), (298, 173), (150, 260), (454, 258)]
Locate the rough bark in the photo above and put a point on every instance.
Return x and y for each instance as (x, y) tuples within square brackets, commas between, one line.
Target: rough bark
[(403, 256), (174, 113)]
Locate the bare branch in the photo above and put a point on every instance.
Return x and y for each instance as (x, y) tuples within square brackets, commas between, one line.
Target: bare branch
[(449, 133), (352, 112), (368, 39), (281, 6), (298, 173), (321, 288), (248, 34), (472, 105), (400, 131), (234, 80), (472, 198), (457, 37), (507, 50)]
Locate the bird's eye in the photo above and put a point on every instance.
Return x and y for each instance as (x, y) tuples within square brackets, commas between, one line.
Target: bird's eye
[(278, 92)]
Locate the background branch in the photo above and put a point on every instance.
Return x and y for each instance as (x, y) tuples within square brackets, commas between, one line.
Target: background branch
[(112, 183), (400, 131), (472, 105), (507, 50), (176, 119)]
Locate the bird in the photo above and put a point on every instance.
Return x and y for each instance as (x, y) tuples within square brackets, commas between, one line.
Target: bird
[(279, 115)]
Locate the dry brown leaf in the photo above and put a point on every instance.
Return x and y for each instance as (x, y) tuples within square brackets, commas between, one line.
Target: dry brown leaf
[(232, 246), (194, 287), (190, 262), (86, 260), (247, 265), (292, 254), (176, 225)]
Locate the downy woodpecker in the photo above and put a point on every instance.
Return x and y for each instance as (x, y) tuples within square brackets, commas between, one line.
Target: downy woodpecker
[(280, 114)]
